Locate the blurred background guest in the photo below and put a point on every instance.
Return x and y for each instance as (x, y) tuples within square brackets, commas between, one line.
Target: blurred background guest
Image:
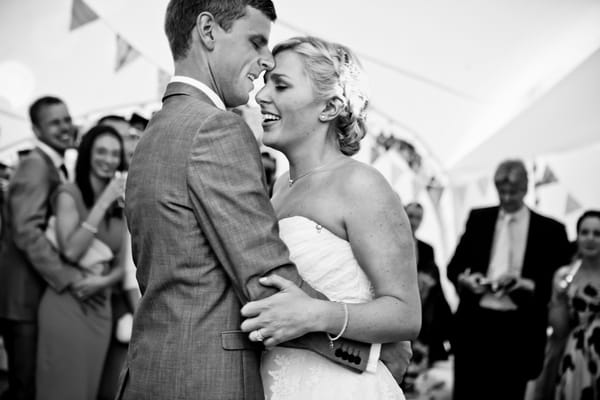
[(432, 345), (29, 263), (129, 134), (124, 294), (575, 315), (502, 270), (89, 230), (5, 173)]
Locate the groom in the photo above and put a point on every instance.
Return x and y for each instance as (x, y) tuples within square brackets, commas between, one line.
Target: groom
[(203, 230)]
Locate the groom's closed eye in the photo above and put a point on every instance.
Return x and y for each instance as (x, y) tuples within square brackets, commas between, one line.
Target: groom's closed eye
[(258, 41)]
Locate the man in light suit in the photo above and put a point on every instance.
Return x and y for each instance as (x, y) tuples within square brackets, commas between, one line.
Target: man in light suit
[(203, 229), (502, 270), (28, 262)]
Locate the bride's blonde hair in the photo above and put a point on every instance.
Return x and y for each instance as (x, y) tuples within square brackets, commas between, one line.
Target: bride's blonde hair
[(335, 72)]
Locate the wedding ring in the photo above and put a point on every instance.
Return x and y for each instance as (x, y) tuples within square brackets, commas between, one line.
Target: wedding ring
[(258, 336)]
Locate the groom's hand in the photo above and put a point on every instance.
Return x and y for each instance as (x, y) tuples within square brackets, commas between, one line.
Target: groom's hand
[(284, 316)]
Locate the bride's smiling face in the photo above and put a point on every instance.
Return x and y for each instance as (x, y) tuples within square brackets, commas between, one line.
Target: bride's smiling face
[(288, 102)]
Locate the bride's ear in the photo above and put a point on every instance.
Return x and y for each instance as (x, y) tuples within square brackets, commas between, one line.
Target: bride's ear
[(205, 27), (332, 109)]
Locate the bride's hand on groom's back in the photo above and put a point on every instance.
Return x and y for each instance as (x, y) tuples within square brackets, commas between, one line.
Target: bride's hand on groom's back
[(284, 316)]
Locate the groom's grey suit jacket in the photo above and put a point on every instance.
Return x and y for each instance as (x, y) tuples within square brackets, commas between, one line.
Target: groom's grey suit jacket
[(203, 232)]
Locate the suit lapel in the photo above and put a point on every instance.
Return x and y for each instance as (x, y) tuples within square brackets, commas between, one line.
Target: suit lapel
[(54, 175), (488, 229), (530, 245)]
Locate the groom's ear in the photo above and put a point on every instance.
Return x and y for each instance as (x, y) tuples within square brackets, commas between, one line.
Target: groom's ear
[(205, 26), (332, 109)]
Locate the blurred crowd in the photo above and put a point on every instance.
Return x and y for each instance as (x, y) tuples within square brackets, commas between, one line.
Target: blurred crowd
[(527, 325), (67, 278)]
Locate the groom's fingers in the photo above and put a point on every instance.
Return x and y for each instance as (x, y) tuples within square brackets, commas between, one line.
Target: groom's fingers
[(270, 342), (252, 308), (276, 281), (250, 325)]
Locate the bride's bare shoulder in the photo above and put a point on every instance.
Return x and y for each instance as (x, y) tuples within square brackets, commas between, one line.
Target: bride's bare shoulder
[(358, 176)]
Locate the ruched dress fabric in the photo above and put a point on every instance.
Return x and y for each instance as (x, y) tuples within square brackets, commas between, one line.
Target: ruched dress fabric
[(579, 371), (327, 263)]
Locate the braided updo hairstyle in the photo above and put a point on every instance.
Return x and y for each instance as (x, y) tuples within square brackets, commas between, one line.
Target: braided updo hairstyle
[(335, 72)]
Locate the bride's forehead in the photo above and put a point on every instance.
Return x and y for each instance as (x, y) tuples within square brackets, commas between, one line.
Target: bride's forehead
[(289, 63)]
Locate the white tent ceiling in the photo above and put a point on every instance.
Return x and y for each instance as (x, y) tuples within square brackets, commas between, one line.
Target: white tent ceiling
[(39, 56), (566, 118), (469, 81)]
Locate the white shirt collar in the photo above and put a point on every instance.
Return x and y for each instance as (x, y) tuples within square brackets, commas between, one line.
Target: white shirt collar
[(202, 87), (55, 156), (517, 215)]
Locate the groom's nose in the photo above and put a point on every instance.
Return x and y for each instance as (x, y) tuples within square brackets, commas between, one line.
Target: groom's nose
[(267, 62)]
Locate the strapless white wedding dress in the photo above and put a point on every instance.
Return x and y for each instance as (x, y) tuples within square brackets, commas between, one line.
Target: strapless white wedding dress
[(327, 263)]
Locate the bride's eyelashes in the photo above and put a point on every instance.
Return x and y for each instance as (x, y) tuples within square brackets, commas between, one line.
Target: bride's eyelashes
[(280, 84)]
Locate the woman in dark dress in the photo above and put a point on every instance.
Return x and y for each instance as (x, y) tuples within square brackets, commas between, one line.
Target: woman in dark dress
[(89, 229)]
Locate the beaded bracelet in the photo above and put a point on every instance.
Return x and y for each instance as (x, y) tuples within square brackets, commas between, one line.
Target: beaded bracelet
[(89, 227), (344, 326)]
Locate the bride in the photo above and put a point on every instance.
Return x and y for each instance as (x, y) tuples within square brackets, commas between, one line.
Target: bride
[(345, 228)]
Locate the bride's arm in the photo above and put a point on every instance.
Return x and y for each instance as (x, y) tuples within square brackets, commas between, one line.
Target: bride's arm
[(381, 240)]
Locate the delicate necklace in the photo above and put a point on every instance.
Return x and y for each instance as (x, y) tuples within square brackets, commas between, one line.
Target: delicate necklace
[(310, 171)]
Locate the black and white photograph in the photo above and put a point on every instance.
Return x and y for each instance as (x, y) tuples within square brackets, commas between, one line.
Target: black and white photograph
[(299, 200)]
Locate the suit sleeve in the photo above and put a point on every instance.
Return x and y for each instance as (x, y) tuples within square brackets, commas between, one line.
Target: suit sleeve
[(553, 255), (227, 187), (459, 261), (427, 261), (563, 247), (29, 202)]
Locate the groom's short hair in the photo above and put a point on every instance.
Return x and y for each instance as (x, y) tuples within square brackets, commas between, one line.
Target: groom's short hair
[(181, 18)]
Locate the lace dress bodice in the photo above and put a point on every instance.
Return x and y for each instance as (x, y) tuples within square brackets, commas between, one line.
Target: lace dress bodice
[(579, 376)]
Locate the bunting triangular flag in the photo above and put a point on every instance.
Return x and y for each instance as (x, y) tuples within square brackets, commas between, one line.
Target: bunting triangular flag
[(81, 14), (125, 53), (572, 205), (547, 178), (435, 190)]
